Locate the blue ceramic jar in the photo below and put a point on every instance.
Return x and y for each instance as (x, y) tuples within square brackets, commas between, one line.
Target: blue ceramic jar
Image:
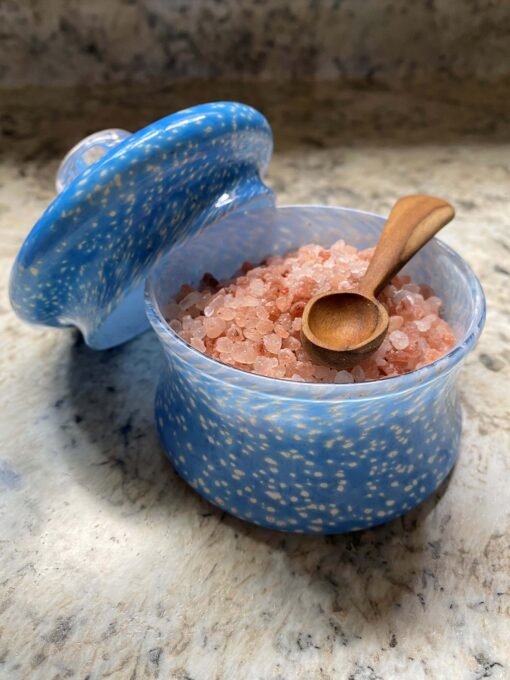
[(185, 196), (304, 457)]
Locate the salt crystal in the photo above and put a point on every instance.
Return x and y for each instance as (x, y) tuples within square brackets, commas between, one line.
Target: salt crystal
[(323, 373), (305, 369), (214, 326), (370, 368), (358, 373), (199, 332), (296, 309), (244, 353), (252, 334), (216, 302), (257, 287), (281, 331), (292, 343), (187, 322), (395, 322), (224, 345), (398, 339), (265, 365), (423, 325), (249, 301), (226, 313), (264, 326), (283, 303), (287, 358), (197, 343), (234, 333), (400, 295), (343, 377), (285, 321), (272, 343)]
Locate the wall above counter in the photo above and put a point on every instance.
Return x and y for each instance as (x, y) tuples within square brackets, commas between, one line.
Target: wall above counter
[(69, 42)]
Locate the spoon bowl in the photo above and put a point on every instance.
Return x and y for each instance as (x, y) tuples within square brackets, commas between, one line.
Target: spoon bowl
[(337, 321)]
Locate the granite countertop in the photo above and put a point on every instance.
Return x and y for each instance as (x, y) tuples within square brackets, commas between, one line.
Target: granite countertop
[(113, 568)]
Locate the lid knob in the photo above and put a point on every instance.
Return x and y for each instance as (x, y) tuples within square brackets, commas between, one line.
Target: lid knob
[(86, 152)]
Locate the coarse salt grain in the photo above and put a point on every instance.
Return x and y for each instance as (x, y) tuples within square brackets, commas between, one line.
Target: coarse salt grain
[(395, 323), (343, 377), (423, 325), (197, 343), (399, 340), (214, 326), (272, 343), (244, 353), (224, 345), (358, 374), (253, 322)]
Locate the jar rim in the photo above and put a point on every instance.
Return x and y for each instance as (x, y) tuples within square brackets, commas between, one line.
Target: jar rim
[(307, 391)]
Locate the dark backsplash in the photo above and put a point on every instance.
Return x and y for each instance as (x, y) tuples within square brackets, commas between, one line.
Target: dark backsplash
[(57, 42)]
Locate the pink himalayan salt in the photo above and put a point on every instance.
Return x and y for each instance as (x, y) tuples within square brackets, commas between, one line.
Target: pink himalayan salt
[(224, 345), (395, 323), (398, 339), (197, 343), (252, 334), (214, 326), (272, 343), (424, 324), (343, 377), (265, 365), (264, 326), (226, 313), (244, 352), (358, 374), (253, 321)]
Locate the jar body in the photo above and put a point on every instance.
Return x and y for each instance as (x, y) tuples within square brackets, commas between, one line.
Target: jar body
[(308, 467), (303, 457)]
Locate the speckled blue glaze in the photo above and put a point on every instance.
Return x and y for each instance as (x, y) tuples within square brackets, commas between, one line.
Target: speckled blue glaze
[(296, 456), (85, 262)]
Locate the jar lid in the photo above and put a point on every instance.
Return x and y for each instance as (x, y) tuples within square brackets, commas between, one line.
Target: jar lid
[(126, 200)]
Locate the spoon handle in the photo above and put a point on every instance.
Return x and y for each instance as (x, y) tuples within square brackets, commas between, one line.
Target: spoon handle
[(412, 222)]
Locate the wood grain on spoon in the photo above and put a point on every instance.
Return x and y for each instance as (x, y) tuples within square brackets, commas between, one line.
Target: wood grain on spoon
[(341, 328)]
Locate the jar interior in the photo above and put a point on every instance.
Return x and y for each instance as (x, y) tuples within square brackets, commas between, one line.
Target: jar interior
[(253, 235)]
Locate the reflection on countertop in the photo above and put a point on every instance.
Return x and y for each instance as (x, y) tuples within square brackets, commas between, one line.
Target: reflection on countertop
[(113, 567)]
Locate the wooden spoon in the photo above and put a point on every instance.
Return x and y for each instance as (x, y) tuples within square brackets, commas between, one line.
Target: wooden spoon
[(342, 328)]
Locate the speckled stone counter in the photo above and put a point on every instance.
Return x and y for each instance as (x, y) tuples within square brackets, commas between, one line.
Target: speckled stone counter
[(111, 567)]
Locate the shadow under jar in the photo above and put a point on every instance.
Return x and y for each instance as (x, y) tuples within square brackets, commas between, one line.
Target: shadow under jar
[(302, 457)]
